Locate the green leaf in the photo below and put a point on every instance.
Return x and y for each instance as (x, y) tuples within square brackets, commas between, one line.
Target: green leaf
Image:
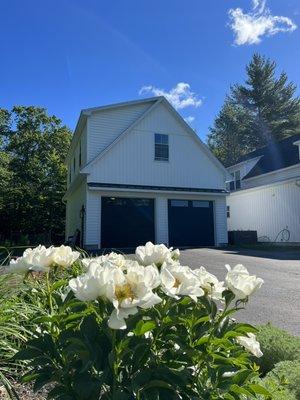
[(58, 284), (259, 389), (27, 354), (143, 327), (244, 328), (157, 384), (202, 340), (240, 390)]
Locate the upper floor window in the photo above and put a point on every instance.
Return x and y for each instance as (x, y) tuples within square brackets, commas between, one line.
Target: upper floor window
[(161, 147), (236, 181), (74, 164)]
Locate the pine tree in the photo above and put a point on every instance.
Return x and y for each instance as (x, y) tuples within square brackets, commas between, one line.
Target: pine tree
[(271, 110), (229, 137)]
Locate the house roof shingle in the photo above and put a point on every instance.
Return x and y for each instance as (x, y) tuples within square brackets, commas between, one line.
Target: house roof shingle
[(276, 155)]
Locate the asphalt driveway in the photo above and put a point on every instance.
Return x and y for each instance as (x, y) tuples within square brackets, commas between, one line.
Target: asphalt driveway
[(278, 301)]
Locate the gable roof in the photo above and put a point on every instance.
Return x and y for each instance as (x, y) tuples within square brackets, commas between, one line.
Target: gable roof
[(156, 101), (84, 113), (275, 156)]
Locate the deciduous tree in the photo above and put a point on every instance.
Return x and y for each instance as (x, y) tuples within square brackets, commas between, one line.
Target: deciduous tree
[(34, 147)]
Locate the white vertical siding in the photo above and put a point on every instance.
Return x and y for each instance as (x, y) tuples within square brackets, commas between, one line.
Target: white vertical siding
[(267, 210), (74, 203), (131, 160), (161, 220), (93, 219), (220, 221), (81, 143), (106, 125)]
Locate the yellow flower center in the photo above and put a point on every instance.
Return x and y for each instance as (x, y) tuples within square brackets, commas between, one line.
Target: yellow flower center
[(123, 292), (177, 283)]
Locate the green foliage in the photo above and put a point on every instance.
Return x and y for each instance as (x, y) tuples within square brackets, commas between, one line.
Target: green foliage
[(277, 345), (175, 350), (18, 311), (228, 138), (33, 147), (287, 373), (265, 108), (278, 389)]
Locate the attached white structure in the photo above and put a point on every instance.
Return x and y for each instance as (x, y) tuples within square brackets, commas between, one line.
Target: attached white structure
[(136, 172), (265, 192)]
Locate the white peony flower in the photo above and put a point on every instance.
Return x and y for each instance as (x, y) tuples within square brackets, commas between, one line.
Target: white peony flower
[(134, 291), (39, 258), (42, 258), (155, 254), (250, 343), (126, 290), (17, 266), (178, 280), (36, 259), (210, 283), (117, 259), (99, 281), (240, 282), (64, 256)]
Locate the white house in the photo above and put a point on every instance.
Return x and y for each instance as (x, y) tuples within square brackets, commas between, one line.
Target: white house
[(138, 172), (265, 192)]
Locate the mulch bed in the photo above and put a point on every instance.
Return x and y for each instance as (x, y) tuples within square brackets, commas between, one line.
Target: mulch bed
[(24, 392)]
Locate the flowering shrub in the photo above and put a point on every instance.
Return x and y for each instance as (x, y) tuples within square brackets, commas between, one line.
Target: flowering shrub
[(144, 328), (42, 259)]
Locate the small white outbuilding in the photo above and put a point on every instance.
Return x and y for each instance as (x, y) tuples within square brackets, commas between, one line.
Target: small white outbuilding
[(265, 192), (138, 172)]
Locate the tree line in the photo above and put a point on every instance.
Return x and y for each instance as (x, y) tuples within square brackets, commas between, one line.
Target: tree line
[(33, 148), (34, 145)]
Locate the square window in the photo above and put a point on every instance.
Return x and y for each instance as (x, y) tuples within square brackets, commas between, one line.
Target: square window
[(161, 147)]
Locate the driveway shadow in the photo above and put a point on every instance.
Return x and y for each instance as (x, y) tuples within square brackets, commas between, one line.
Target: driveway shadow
[(274, 253)]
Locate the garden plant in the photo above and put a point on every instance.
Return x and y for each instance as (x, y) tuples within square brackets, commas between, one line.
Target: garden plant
[(143, 327)]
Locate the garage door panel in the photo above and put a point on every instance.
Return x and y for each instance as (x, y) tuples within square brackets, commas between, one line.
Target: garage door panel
[(191, 223), (126, 222)]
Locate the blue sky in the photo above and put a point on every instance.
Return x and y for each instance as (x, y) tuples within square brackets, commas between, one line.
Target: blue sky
[(71, 54)]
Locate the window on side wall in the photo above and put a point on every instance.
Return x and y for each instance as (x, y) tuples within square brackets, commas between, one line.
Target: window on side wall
[(236, 181), (161, 147), (228, 211)]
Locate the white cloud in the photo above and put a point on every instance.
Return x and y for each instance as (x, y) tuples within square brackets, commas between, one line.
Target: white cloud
[(189, 119), (180, 96), (249, 28)]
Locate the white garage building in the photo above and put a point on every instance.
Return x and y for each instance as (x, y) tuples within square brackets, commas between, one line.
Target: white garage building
[(138, 172)]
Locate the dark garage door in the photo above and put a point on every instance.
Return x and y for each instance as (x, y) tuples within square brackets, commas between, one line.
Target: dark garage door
[(191, 223), (126, 222)]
